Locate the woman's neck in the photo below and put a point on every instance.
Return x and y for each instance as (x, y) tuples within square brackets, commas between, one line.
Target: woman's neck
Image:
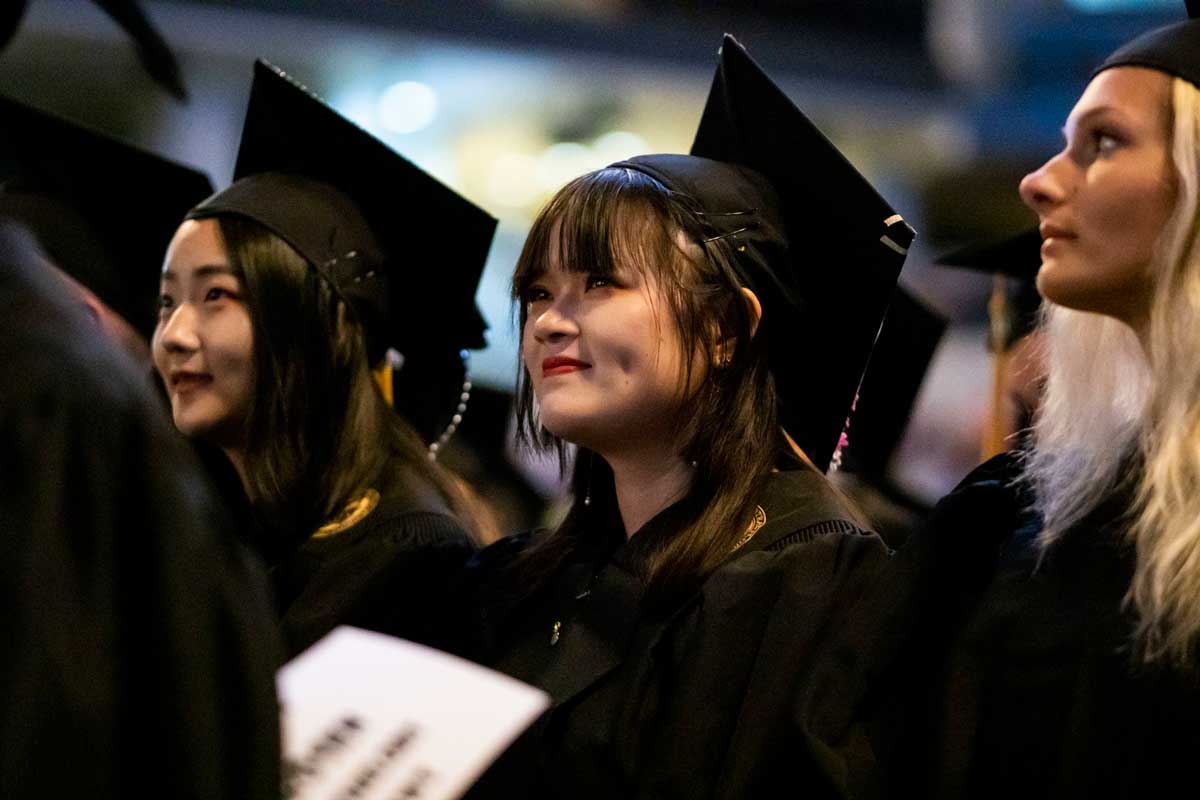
[(237, 457), (646, 483)]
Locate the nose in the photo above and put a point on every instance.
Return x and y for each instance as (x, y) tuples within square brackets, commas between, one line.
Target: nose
[(177, 333), (1048, 185), (556, 322)]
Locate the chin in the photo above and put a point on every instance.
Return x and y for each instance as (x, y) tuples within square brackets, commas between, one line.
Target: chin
[(197, 423), (562, 427), (572, 425), (191, 427), (1057, 283)]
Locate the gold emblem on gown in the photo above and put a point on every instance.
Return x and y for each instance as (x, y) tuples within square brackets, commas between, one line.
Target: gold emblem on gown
[(354, 512), (760, 519)]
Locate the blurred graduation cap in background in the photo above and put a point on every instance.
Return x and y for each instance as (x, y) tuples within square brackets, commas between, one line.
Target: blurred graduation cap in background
[(403, 250), (152, 49), (102, 210), (813, 239), (1013, 314)]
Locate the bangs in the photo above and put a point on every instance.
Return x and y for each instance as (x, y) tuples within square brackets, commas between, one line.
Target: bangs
[(599, 224)]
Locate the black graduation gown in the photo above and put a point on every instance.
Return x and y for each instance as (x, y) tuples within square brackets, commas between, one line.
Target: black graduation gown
[(139, 650), (746, 685), (392, 571), (1032, 689)]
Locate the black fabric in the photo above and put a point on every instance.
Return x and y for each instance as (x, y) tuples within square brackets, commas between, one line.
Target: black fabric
[(139, 651), (79, 192), (393, 572), (907, 342), (845, 247), (1173, 49), (1028, 686), (385, 233), (745, 688)]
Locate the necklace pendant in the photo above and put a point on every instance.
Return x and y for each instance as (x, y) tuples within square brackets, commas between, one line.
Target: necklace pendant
[(555, 633)]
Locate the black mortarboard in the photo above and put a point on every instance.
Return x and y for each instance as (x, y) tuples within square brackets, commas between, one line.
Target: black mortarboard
[(102, 210), (1173, 49), (387, 235), (1018, 259), (815, 241), (153, 51), (907, 341)]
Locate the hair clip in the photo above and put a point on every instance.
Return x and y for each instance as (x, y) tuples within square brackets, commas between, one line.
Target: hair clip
[(731, 233), (726, 213)]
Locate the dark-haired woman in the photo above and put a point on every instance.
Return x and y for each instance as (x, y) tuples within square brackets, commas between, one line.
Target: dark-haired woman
[(693, 618), (276, 301)]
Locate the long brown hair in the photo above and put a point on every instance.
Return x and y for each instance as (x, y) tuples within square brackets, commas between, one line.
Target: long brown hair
[(319, 431), (728, 420)]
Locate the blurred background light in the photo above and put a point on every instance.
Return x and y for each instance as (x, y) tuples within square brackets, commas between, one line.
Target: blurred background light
[(407, 107)]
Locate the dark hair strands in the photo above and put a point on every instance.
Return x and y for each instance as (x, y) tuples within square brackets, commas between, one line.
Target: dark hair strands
[(319, 431), (727, 424)]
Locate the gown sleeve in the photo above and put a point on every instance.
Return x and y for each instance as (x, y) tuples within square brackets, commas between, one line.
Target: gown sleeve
[(139, 652)]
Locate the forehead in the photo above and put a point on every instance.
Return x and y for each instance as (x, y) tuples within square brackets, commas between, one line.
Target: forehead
[(197, 243), (1137, 94)]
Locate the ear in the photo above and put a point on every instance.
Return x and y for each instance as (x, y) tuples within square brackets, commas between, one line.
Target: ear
[(755, 309), (725, 349)]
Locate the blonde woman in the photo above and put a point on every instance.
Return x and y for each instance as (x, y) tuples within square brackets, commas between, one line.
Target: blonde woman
[(1074, 673)]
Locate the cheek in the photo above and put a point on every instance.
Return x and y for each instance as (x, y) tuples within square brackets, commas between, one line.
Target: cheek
[(158, 353), (530, 359), (235, 354)]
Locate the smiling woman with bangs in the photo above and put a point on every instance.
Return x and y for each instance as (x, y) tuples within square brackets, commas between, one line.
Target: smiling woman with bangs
[(695, 616), (605, 333)]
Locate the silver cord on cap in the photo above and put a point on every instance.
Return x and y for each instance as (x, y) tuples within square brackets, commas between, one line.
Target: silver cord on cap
[(459, 411)]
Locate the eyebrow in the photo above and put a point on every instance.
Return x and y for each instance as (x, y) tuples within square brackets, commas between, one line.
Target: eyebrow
[(1092, 113), (206, 271)]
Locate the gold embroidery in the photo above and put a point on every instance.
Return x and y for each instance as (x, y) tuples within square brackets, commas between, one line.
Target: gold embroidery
[(760, 519), (354, 512)]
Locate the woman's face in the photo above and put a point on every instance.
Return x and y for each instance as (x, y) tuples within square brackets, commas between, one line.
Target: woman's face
[(203, 346), (1103, 201), (604, 358)]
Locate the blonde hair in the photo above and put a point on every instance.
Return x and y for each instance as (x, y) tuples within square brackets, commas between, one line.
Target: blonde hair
[(1113, 401)]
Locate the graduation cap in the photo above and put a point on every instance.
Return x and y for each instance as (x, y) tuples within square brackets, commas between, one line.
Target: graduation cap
[(814, 240), (1013, 310), (403, 250), (153, 51), (1014, 262), (102, 210), (1173, 49), (907, 341)]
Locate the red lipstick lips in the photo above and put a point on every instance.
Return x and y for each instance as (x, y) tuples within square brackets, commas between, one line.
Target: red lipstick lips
[(560, 365)]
